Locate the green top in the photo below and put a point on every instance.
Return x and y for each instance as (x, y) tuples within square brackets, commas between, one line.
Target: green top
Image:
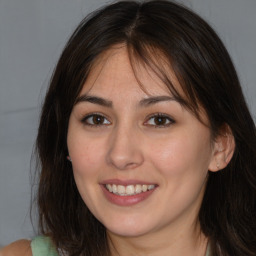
[(208, 251), (42, 246)]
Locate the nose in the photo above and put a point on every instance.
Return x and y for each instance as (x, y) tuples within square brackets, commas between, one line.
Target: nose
[(125, 149)]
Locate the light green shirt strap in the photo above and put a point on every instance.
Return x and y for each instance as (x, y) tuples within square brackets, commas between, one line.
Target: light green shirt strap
[(208, 251), (42, 246)]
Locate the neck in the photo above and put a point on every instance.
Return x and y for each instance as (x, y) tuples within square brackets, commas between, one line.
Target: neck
[(192, 243)]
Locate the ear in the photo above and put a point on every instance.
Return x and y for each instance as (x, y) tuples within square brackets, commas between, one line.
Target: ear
[(223, 149)]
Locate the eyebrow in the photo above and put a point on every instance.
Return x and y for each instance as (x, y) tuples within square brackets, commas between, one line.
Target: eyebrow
[(94, 100), (155, 99), (107, 103)]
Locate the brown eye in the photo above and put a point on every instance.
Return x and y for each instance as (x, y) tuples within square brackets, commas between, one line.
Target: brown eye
[(159, 120), (96, 120)]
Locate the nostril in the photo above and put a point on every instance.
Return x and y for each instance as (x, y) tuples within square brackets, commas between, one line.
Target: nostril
[(124, 150), (125, 160)]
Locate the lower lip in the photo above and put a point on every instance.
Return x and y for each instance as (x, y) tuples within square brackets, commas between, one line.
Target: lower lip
[(126, 200)]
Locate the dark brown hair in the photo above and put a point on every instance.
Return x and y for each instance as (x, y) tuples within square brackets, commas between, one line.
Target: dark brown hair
[(151, 30)]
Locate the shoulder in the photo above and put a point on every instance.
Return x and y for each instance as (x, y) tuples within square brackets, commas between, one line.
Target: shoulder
[(18, 248), (40, 246)]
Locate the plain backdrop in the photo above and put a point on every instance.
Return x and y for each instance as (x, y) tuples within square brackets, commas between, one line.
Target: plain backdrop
[(32, 35)]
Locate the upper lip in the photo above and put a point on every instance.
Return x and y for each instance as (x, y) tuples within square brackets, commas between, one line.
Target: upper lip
[(126, 182)]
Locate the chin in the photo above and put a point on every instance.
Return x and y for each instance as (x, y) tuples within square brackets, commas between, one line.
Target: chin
[(127, 232), (128, 228)]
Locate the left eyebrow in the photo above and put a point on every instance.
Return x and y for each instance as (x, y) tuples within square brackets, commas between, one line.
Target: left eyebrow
[(94, 100), (155, 99)]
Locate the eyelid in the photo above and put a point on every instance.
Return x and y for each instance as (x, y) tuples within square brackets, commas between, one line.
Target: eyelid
[(171, 120), (87, 116)]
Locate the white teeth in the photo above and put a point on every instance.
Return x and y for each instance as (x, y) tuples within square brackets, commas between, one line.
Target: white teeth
[(120, 190), (151, 187), (109, 187), (114, 188), (129, 189), (144, 188), (138, 189)]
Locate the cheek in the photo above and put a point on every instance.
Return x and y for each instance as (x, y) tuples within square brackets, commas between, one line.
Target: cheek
[(170, 157), (85, 153), (85, 157), (182, 154)]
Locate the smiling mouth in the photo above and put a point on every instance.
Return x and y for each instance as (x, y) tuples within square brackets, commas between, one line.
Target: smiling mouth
[(128, 190)]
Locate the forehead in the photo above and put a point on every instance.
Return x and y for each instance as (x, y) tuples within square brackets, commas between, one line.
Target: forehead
[(117, 68), (119, 76)]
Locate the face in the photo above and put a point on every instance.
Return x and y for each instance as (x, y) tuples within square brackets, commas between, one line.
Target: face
[(140, 160)]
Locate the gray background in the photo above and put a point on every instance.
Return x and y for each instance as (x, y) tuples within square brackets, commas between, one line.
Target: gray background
[(32, 35)]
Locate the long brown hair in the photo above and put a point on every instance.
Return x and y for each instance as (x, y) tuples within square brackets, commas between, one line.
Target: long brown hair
[(205, 71)]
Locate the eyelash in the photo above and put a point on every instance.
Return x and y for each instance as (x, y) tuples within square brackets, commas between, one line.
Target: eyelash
[(167, 118), (94, 115), (162, 116)]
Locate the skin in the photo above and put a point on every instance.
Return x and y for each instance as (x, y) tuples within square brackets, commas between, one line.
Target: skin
[(128, 143), (174, 152), (20, 247)]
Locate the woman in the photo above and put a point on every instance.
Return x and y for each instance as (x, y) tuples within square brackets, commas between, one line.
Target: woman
[(145, 142)]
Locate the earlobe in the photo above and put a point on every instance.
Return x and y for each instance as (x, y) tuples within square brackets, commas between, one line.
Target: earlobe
[(223, 150)]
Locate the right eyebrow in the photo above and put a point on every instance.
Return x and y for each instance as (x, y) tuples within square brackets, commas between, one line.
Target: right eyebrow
[(156, 99), (94, 100)]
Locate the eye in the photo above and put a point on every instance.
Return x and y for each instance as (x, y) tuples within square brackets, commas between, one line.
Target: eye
[(159, 120), (95, 120)]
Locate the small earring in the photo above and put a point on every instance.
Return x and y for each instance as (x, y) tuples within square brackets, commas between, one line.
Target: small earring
[(69, 158), (218, 165)]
